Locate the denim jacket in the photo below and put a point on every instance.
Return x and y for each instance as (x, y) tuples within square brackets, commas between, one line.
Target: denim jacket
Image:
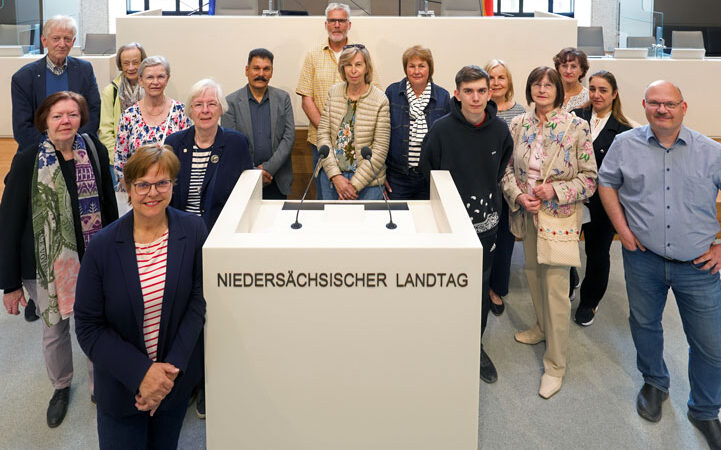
[(438, 106)]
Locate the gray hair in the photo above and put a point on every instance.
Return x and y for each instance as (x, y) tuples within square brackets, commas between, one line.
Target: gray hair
[(152, 61), (333, 6), (60, 23), (207, 84), (132, 45)]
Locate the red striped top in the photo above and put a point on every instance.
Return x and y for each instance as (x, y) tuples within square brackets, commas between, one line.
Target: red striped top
[(152, 261)]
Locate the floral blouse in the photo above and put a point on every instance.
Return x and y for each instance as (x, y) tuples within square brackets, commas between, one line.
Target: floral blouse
[(133, 132), (573, 173), (344, 148)]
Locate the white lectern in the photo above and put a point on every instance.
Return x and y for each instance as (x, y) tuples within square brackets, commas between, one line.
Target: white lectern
[(342, 334)]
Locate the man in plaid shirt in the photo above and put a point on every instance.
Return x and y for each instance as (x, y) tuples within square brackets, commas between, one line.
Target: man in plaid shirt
[(320, 71)]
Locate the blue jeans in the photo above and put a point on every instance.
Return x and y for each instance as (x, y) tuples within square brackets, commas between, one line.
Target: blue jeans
[(410, 186), (698, 296), (328, 191)]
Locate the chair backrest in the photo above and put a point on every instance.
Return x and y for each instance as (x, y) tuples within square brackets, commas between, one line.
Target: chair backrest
[(236, 7), (360, 7), (687, 39), (99, 44), (460, 8), (640, 41), (15, 34), (590, 40)]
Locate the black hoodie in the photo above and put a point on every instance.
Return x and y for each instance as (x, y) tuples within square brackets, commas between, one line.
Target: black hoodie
[(476, 157)]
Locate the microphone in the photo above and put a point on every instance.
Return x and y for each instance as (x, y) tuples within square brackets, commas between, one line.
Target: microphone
[(322, 154), (366, 153)]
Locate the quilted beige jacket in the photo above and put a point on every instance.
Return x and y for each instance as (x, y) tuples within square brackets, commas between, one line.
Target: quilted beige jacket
[(372, 129)]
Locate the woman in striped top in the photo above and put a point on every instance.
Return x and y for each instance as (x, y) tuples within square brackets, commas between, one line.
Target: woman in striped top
[(415, 103), (502, 94), (211, 157), (140, 309)]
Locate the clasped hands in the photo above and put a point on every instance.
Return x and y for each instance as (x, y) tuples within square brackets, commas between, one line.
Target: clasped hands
[(345, 189), (532, 204), (157, 383)]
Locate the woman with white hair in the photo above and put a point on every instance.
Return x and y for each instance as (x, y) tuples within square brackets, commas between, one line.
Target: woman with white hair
[(211, 157), (151, 119)]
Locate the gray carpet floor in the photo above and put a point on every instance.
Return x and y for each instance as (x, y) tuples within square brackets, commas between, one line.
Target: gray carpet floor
[(594, 410)]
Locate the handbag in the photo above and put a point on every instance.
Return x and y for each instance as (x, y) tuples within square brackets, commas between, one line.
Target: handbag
[(557, 243)]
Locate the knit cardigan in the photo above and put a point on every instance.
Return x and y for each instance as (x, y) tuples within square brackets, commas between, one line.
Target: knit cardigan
[(372, 129)]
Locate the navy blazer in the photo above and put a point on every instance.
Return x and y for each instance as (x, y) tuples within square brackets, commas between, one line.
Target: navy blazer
[(229, 158), (603, 142), (109, 312), (438, 106), (28, 92)]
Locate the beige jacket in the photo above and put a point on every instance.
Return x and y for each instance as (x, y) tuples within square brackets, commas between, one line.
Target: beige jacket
[(372, 129), (573, 173)]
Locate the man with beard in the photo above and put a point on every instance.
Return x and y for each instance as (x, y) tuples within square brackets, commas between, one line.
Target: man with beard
[(265, 115), (658, 184), (320, 72)]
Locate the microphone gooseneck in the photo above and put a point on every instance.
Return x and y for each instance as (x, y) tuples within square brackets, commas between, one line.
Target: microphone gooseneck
[(323, 152), (366, 153)]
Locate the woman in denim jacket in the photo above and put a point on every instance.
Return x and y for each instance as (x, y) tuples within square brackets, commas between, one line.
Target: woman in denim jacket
[(415, 103)]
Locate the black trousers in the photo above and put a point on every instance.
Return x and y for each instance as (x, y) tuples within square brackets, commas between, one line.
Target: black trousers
[(598, 235), (488, 241), (505, 240)]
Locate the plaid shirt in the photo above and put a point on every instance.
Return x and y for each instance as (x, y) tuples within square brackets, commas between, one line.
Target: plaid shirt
[(319, 73)]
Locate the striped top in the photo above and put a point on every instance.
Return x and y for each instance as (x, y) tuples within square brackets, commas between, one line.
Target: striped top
[(418, 123), (197, 175), (152, 261), (508, 114)]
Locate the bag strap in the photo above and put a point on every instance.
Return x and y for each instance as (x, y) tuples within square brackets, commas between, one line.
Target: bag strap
[(560, 146), (91, 145)]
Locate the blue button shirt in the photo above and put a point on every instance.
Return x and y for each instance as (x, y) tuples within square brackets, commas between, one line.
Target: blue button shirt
[(260, 118), (668, 194)]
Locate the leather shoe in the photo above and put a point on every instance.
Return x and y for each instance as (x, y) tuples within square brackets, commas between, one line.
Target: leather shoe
[(531, 336), (550, 385), (496, 309), (711, 430), (58, 407), (648, 402), (30, 312), (488, 370)]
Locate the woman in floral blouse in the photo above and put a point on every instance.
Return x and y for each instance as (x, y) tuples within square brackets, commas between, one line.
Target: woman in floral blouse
[(356, 115), (153, 118), (536, 179)]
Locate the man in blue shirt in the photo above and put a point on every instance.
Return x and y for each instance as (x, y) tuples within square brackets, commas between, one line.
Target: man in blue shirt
[(55, 72), (265, 115), (658, 184)]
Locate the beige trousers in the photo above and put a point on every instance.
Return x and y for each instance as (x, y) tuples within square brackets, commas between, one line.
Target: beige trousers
[(549, 292), (57, 348)]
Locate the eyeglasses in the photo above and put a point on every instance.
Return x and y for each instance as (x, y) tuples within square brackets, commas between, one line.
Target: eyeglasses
[(653, 104), (162, 186), (358, 46), (338, 21), (199, 105), (544, 85)]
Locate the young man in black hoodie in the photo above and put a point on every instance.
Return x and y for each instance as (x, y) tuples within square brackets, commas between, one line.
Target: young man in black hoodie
[(475, 146)]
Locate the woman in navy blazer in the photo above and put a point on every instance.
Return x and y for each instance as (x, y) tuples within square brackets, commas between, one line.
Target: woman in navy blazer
[(143, 382), (607, 120), (221, 154)]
